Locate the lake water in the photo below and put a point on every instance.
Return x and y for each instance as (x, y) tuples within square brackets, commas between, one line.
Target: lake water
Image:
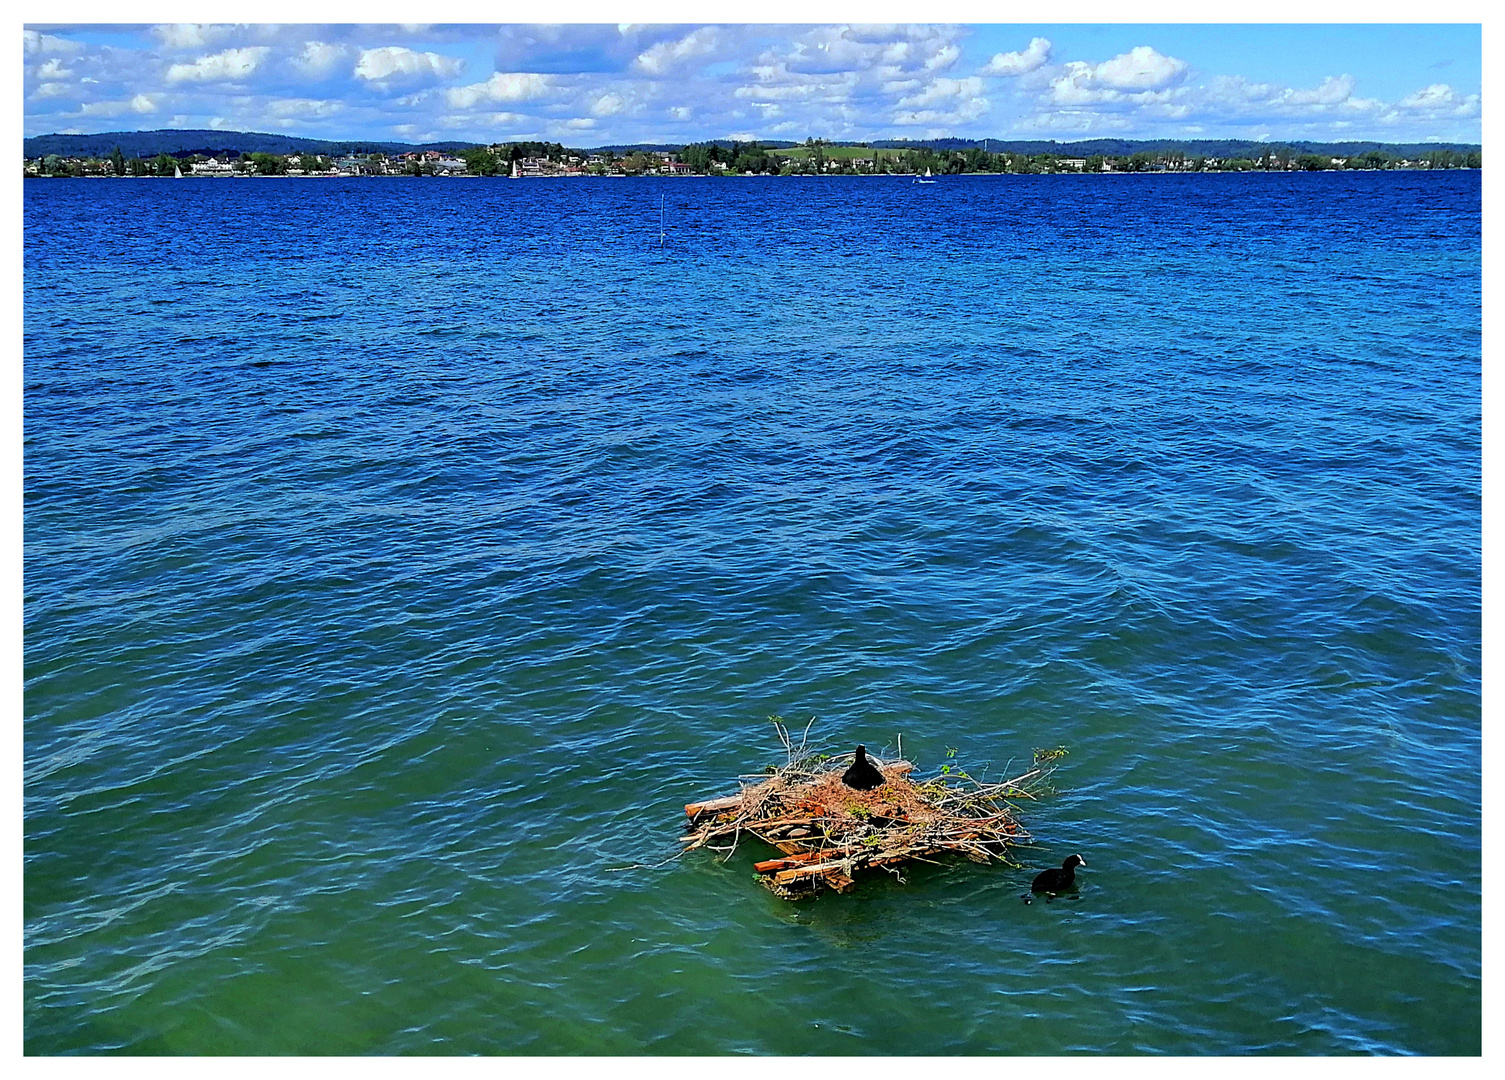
[(401, 556)]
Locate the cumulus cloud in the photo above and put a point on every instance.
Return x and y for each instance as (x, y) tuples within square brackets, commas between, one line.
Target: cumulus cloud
[(779, 85), (1331, 92), (1235, 89), (608, 105), (394, 63), (1141, 68), (104, 108), (189, 35), (1440, 99), (964, 113), (35, 43), (1020, 63), (502, 86), (1234, 95), (667, 55), (649, 83), (228, 66), (320, 59), (941, 90), (1140, 76), (943, 59), (303, 108)]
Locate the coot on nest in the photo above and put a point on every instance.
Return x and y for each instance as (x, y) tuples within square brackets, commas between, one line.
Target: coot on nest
[(1059, 879), (862, 775)]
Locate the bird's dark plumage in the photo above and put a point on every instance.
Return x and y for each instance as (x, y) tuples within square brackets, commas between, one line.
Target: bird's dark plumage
[(1058, 879), (862, 775)]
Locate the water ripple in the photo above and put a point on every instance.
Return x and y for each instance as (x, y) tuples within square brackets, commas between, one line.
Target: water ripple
[(380, 599)]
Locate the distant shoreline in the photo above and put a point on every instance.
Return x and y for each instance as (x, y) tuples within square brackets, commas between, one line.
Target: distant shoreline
[(793, 176)]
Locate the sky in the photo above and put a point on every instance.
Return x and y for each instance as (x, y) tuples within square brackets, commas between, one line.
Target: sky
[(590, 84)]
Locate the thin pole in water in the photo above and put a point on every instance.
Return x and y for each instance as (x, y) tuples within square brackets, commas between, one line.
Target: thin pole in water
[(660, 221)]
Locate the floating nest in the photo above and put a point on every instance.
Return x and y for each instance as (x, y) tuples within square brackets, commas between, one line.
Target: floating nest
[(829, 832)]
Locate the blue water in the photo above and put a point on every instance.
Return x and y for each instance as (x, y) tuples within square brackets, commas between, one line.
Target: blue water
[(401, 556)]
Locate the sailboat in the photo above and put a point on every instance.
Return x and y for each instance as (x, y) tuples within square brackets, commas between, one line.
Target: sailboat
[(516, 172), (177, 173), (924, 179)]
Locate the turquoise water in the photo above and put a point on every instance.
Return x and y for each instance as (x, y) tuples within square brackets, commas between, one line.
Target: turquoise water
[(401, 556)]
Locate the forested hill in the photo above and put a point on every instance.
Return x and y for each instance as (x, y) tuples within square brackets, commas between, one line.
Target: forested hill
[(1213, 148), (145, 144)]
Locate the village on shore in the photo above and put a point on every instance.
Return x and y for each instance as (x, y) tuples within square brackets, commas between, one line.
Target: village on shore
[(815, 158)]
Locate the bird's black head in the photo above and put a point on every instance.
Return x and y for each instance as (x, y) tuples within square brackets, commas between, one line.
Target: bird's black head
[(861, 750), (1073, 861)]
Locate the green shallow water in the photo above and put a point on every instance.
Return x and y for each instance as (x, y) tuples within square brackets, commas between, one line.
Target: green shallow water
[(380, 598)]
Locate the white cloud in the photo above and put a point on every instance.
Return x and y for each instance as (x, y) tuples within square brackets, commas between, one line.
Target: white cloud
[(1020, 63), (47, 44), (1436, 96), (608, 105), (1140, 76), (964, 113), (1071, 122), (104, 108), (392, 62), (502, 86), (642, 83), (944, 90), (227, 66), (319, 59), (943, 59), (1236, 90), (304, 108), (189, 35), (1331, 92), (1236, 96), (1074, 86), (1141, 68), (666, 55), (496, 119), (1439, 100), (828, 89)]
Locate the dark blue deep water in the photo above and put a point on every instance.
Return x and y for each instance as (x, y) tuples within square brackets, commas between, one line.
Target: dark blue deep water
[(401, 556)]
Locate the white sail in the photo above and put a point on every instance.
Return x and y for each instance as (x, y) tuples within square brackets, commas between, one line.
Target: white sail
[(177, 173)]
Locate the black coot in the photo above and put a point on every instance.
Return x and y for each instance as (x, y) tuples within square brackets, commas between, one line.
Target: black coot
[(1060, 879), (862, 775)]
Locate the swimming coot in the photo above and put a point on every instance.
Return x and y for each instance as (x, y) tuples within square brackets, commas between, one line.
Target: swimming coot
[(1060, 879), (862, 775)]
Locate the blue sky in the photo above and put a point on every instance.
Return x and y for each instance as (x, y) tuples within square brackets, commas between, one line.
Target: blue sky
[(591, 84)]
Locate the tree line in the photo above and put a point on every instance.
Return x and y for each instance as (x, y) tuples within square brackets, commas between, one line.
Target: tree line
[(817, 156)]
